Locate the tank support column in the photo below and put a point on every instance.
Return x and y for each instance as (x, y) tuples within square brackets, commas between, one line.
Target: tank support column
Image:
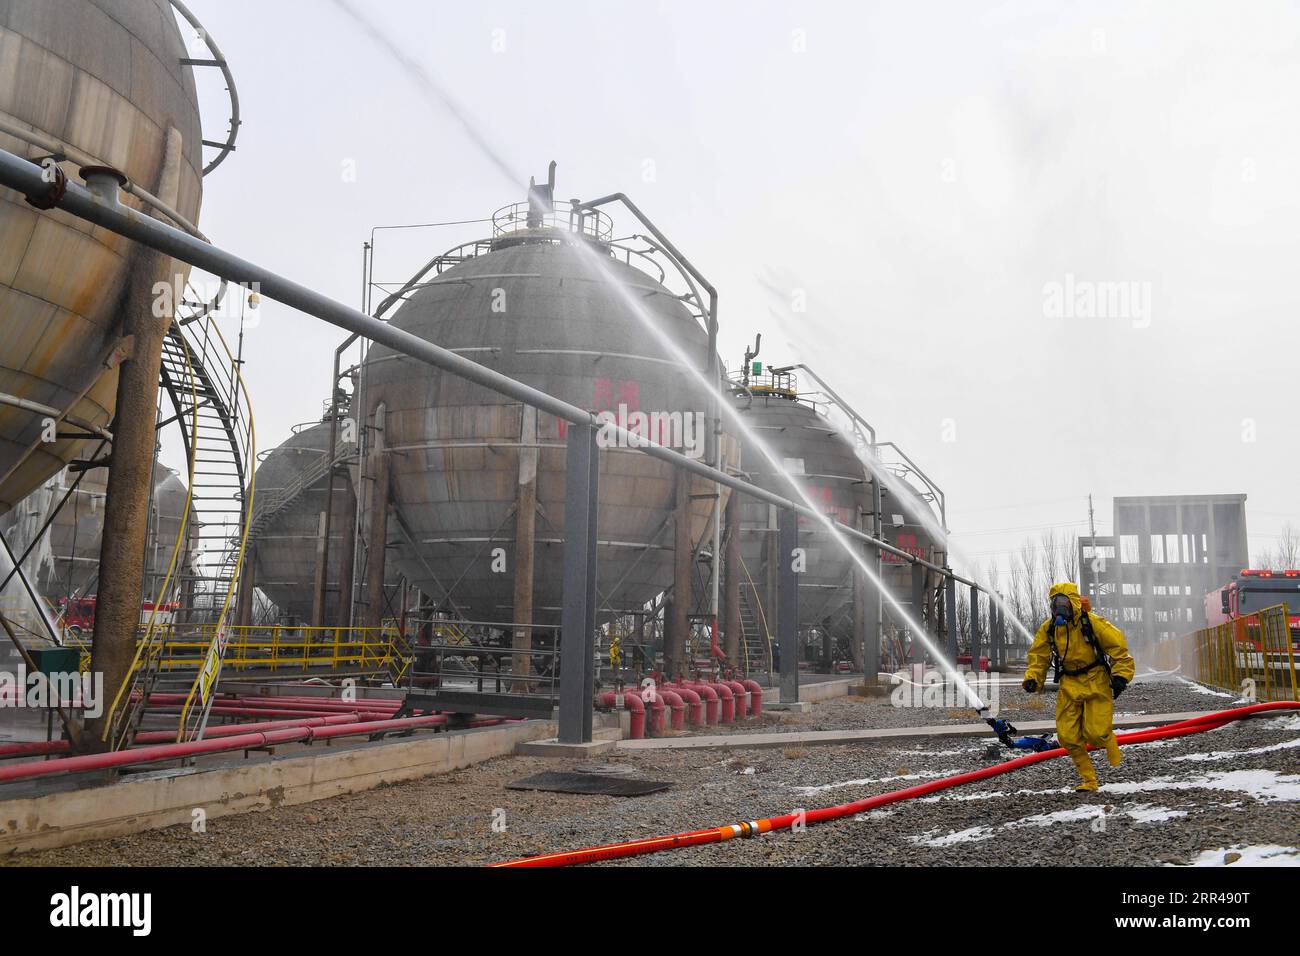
[(578, 618), (677, 621), (377, 538), (731, 579), (950, 613), (771, 563), (126, 510), (788, 605), (347, 556), (320, 582), (866, 606), (999, 634), (247, 582), (918, 610), (525, 536), (974, 628)]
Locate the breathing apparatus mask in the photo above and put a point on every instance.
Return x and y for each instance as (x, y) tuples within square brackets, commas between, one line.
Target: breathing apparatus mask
[(1062, 609)]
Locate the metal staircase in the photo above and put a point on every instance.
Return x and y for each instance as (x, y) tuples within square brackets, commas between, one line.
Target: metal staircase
[(201, 377), (273, 502), (757, 640)]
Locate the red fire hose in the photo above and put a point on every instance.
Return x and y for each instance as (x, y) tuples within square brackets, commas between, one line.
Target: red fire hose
[(616, 851)]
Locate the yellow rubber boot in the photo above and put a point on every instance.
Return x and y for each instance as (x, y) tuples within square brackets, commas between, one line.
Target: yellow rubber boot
[(1112, 750), (1087, 774)]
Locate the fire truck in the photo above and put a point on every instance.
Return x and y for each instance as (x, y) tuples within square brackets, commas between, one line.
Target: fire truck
[(1246, 594), (79, 614)]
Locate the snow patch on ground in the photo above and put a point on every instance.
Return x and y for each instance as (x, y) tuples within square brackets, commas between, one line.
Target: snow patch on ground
[(1264, 785), (921, 775), (1145, 813), (1229, 754), (1268, 854), (934, 753), (1137, 812), (962, 796), (873, 815), (1202, 689), (1289, 722)]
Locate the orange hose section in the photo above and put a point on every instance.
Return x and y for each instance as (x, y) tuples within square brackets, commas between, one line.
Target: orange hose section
[(615, 851)]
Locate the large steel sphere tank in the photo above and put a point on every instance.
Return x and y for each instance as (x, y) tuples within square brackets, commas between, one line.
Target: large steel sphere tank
[(65, 561), (908, 523), (542, 311), (292, 482), (106, 78), (809, 447)]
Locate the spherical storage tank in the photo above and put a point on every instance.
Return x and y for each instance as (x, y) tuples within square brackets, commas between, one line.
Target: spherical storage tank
[(105, 77), (542, 311), (285, 549), (65, 562), (810, 447)]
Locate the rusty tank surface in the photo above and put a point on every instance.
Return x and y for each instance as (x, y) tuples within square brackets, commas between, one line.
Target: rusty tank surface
[(532, 304), (104, 77)]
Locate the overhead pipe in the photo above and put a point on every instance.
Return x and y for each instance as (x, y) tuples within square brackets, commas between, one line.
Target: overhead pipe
[(752, 828), (25, 177)]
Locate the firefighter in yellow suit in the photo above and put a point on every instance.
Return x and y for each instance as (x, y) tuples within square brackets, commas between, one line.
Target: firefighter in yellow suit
[(1093, 673)]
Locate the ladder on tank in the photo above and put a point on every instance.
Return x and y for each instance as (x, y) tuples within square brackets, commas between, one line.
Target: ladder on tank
[(202, 379), (753, 627)]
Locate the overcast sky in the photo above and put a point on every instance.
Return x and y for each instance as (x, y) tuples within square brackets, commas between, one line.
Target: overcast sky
[(933, 178)]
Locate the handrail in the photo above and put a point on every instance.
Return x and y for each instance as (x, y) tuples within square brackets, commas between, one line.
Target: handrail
[(762, 617), (192, 725), (113, 727), (218, 60)]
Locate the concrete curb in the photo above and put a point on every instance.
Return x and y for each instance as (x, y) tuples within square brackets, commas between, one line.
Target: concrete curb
[(813, 738), (168, 797)]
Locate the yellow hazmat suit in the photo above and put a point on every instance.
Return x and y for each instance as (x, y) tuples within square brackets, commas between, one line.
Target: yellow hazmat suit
[(1083, 703)]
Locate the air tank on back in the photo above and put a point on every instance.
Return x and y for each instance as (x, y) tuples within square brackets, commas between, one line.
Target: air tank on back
[(811, 448), (540, 305), (106, 78)]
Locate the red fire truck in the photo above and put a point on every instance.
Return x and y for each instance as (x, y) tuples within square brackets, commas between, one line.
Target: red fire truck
[(79, 613), (1247, 593)]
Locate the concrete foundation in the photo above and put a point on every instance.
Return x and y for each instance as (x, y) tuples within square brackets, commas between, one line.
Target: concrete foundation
[(168, 797)]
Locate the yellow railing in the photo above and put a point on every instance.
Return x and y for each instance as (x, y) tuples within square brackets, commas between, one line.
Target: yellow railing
[(205, 683), (762, 618), (371, 652), (1253, 659)]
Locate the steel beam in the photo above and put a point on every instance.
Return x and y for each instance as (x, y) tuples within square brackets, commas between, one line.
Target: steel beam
[(950, 612), (788, 605), (578, 619)]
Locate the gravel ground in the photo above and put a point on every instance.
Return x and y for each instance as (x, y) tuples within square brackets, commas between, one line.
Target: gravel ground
[(1169, 802)]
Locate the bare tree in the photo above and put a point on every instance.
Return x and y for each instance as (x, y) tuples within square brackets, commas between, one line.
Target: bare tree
[(1285, 554)]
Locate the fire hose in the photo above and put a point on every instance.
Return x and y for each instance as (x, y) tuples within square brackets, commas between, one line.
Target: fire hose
[(752, 828)]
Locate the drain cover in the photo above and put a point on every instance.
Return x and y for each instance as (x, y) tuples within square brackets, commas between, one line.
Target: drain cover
[(555, 781)]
